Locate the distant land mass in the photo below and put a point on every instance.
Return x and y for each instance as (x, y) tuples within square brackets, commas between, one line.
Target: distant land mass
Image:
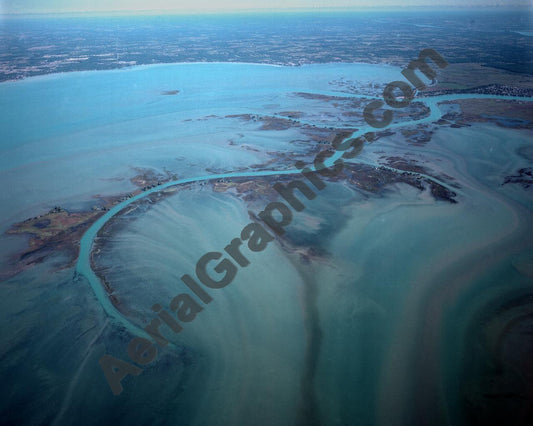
[(42, 45)]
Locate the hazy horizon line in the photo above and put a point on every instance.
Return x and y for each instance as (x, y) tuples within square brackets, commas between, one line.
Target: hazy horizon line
[(214, 11)]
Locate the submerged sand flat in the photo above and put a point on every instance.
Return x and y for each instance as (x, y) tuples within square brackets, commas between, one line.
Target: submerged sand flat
[(373, 324)]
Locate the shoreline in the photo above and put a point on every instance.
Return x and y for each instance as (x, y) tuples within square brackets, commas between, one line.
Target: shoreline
[(138, 67)]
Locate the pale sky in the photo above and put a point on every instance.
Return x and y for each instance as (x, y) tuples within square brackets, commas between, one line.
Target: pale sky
[(59, 6)]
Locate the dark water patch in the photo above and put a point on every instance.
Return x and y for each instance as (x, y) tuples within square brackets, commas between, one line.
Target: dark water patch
[(308, 412), (507, 122)]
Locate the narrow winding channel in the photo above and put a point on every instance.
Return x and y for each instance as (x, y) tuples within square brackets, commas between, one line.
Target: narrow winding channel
[(314, 334), (83, 265)]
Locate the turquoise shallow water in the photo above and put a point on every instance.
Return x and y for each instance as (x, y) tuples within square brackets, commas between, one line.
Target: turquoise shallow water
[(83, 265), (69, 137)]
